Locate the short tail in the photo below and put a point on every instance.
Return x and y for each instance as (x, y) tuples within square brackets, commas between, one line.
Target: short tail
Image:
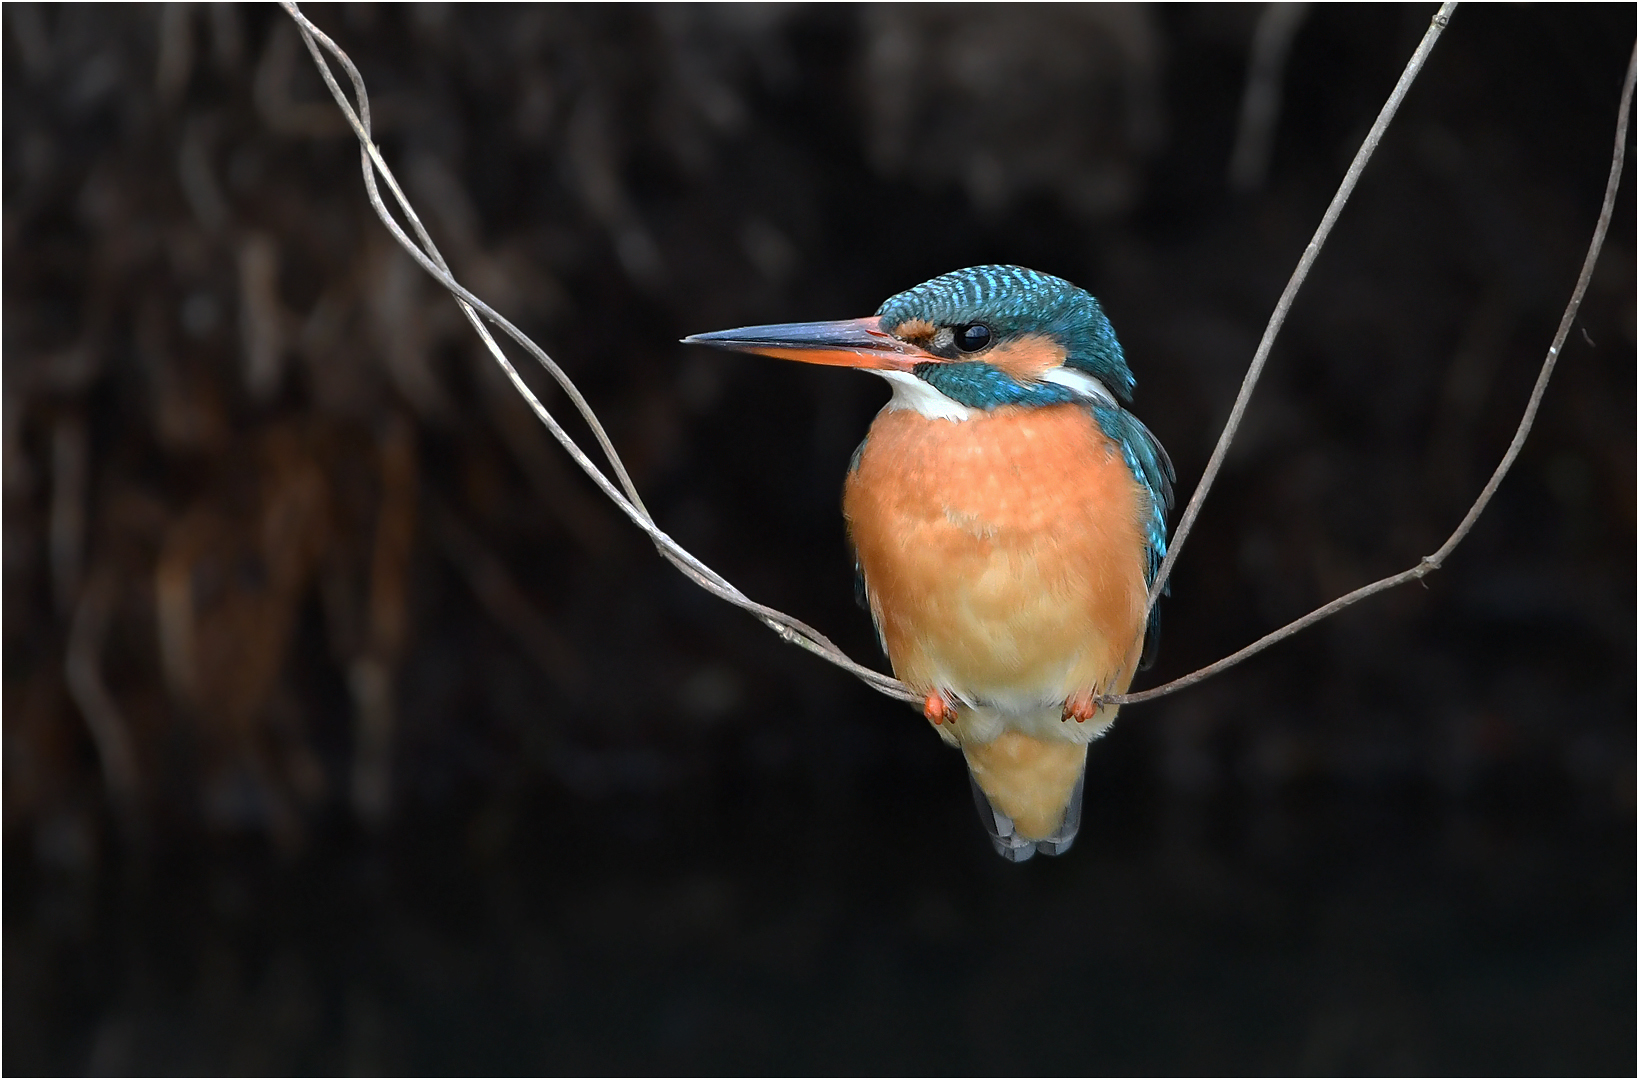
[(1005, 838)]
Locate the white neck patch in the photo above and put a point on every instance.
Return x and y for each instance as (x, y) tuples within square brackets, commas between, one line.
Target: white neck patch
[(909, 392), (1080, 384), (912, 393)]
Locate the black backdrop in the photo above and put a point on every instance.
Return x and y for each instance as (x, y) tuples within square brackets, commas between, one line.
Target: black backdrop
[(347, 730)]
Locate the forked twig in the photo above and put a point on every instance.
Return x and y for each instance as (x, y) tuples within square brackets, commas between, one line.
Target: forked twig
[(624, 494), (1278, 319), (1430, 563)]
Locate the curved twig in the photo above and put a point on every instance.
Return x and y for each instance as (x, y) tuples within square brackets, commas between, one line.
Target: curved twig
[(624, 493), (1278, 319), (1431, 563)]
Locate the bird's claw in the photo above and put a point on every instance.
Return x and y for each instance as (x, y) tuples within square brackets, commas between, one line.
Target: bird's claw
[(1082, 706), (939, 708)]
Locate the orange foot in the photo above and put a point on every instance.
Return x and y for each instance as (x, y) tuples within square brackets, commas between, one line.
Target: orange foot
[(1081, 706), (939, 708)]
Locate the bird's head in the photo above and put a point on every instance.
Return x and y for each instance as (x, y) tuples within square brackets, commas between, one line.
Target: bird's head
[(973, 339)]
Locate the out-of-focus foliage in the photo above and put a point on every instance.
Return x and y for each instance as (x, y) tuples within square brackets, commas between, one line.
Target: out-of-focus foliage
[(292, 578)]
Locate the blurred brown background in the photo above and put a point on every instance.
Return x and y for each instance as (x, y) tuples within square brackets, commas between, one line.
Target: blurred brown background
[(346, 728)]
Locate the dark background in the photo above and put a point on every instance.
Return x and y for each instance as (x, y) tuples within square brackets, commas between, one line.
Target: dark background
[(348, 729)]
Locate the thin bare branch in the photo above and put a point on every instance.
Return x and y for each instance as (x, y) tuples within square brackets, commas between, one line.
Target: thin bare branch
[(624, 494), (1284, 305), (1431, 563)]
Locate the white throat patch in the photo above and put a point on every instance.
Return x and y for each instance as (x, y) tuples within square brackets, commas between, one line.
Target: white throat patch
[(912, 393), (909, 392)]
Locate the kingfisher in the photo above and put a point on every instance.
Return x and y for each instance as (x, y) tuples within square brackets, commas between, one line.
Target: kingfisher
[(1008, 516)]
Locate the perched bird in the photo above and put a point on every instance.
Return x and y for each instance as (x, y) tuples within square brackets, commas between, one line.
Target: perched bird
[(1008, 516)]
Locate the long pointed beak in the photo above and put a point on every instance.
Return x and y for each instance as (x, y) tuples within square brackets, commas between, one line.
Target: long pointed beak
[(858, 343)]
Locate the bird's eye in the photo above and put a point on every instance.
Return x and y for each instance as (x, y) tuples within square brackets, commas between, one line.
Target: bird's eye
[(972, 337)]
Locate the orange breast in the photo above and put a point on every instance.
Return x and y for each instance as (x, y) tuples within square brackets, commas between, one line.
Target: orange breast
[(1004, 554)]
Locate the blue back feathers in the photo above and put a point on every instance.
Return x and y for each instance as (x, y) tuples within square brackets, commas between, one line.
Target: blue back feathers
[(1149, 463)]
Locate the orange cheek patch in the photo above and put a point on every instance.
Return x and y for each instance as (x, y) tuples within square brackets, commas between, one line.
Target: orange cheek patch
[(1027, 358)]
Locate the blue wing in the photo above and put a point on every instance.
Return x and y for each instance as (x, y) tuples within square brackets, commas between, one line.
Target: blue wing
[(1148, 460)]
